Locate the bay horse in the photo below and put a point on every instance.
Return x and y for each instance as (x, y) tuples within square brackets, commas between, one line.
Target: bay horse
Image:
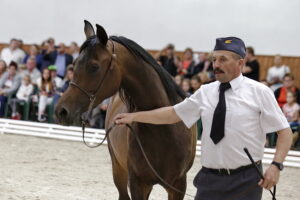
[(120, 68)]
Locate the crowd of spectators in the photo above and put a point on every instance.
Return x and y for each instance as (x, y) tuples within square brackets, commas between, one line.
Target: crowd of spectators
[(39, 77)]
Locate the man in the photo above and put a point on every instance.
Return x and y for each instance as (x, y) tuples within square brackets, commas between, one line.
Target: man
[(12, 53), (31, 70), (276, 73), (251, 69), (236, 112), (60, 59)]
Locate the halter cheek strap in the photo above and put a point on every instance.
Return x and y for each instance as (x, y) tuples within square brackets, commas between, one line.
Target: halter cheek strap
[(92, 96)]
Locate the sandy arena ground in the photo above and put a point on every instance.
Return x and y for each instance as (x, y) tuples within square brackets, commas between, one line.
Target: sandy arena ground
[(34, 168)]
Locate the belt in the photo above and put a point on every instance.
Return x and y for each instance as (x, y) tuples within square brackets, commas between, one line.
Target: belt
[(229, 171)]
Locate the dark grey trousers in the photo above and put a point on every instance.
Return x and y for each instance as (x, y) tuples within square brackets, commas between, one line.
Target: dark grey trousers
[(239, 186)]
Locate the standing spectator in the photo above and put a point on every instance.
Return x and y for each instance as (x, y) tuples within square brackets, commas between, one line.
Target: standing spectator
[(60, 59), (168, 59), (291, 110), (23, 95), (288, 86), (74, 50), (236, 112), (251, 69), (2, 67), (9, 84), (276, 73), (12, 53), (34, 51), (187, 63), (46, 91), (31, 70), (48, 52)]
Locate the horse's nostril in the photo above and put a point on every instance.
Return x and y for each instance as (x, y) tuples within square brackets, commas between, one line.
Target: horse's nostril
[(63, 113)]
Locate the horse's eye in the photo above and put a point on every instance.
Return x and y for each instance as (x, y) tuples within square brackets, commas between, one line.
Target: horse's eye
[(93, 68)]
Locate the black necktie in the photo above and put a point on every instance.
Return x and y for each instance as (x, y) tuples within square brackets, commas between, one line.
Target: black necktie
[(217, 128)]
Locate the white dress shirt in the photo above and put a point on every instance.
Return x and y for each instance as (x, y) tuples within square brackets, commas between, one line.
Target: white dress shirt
[(251, 113)]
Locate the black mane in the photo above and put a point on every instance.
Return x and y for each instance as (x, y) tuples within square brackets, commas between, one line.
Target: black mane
[(173, 91)]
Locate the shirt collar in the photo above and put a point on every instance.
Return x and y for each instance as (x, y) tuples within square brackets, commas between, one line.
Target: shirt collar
[(236, 83)]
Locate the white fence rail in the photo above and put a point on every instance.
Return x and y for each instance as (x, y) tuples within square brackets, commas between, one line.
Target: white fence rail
[(94, 136)]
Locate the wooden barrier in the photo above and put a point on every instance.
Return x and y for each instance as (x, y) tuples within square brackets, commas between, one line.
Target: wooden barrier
[(264, 60), (94, 136)]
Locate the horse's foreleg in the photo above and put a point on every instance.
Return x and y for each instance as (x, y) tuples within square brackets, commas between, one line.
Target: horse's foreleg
[(179, 184), (138, 189), (120, 176)]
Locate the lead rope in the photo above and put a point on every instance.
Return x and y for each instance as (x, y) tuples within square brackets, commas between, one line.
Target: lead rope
[(142, 150)]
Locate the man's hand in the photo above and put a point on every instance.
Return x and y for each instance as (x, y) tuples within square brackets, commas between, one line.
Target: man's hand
[(271, 177), (123, 118)]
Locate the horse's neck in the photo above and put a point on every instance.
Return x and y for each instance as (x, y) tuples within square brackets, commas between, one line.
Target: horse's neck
[(143, 85)]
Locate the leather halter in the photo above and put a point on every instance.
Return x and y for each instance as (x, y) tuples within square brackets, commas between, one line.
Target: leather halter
[(92, 96)]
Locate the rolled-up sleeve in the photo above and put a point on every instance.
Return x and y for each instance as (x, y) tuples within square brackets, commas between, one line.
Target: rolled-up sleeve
[(189, 109), (272, 118)]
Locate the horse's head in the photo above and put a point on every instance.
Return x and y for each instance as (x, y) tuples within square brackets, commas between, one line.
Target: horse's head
[(96, 77)]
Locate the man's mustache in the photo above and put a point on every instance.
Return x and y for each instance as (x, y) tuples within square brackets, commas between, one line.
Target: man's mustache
[(218, 70)]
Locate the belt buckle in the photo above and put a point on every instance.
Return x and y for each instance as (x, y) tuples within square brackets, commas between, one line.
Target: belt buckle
[(225, 171), (228, 171)]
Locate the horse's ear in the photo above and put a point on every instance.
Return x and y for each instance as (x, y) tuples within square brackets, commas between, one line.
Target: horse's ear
[(88, 29), (101, 34)]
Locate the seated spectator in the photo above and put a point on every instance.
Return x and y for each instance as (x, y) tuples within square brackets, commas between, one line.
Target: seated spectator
[(276, 73), (251, 68), (2, 67), (291, 110), (31, 70), (12, 53), (57, 80), (168, 59), (186, 86), (9, 84), (60, 59), (195, 83), (46, 92), (288, 86), (74, 50), (23, 95), (34, 51), (187, 63), (69, 78), (178, 79)]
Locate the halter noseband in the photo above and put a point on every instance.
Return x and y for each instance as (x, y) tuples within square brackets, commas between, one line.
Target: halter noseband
[(92, 96)]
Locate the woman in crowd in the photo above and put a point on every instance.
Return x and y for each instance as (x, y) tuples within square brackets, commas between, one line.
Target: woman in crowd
[(46, 90)]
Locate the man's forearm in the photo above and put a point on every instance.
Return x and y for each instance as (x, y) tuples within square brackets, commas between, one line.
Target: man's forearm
[(284, 142), (164, 115)]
